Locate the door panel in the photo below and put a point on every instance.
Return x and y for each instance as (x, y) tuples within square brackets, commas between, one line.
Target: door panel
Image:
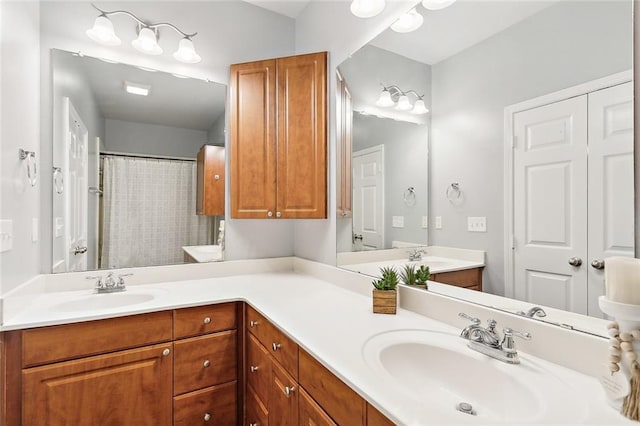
[(368, 196)]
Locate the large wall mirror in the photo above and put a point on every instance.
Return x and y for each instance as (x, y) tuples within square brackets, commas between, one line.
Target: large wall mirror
[(125, 144), (530, 146)]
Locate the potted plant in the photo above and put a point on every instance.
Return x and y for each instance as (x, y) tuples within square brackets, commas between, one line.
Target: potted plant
[(385, 296), (422, 276), (415, 277)]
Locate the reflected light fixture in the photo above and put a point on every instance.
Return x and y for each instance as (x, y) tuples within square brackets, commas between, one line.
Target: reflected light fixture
[(394, 96), (367, 8), (408, 22), (437, 4), (136, 88), (148, 34)]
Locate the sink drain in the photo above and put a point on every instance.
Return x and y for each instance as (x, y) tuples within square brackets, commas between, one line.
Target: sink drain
[(466, 408)]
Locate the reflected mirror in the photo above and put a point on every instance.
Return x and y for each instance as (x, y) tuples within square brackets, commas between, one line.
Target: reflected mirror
[(135, 155), (530, 148)]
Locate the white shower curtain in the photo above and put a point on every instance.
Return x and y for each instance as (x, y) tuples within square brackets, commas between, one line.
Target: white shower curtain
[(149, 212)]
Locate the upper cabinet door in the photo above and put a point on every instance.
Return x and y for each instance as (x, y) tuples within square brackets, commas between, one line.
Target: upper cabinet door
[(302, 141), (253, 140)]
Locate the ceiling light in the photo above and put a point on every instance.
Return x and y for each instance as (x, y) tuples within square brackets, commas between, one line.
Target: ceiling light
[(394, 96), (102, 32), (419, 107), (403, 103), (147, 42), (367, 8), (136, 89), (186, 52), (408, 22), (385, 99), (437, 4)]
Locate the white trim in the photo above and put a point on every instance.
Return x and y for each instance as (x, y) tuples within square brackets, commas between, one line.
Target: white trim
[(371, 150), (509, 111)]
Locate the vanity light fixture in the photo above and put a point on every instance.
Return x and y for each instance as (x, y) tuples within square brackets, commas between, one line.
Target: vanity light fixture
[(136, 89), (437, 4), (394, 96), (148, 34), (367, 8), (408, 22)]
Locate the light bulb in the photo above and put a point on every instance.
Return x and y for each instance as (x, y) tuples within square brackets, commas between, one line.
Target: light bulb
[(385, 99), (419, 107), (147, 42), (186, 52), (437, 4), (102, 32), (408, 22), (367, 8), (404, 104)]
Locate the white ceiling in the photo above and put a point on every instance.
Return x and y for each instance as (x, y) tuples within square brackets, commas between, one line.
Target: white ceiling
[(449, 31), (290, 8)]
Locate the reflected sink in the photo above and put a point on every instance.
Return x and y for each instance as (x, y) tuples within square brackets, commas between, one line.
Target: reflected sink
[(438, 368), (106, 301)]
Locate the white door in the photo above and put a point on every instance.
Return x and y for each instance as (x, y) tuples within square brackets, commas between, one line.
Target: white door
[(550, 204), (368, 197), (76, 175), (610, 183)]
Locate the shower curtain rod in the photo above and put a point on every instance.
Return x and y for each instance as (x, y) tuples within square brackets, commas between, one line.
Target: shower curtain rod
[(144, 156)]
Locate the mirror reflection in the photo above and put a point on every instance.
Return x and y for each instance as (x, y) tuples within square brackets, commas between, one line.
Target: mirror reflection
[(138, 164), (530, 151)]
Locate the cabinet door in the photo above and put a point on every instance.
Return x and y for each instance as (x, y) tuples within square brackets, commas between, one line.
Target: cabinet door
[(311, 413), (302, 141), (283, 398), (253, 139), (211, 406), (128, 387), (210, 182)]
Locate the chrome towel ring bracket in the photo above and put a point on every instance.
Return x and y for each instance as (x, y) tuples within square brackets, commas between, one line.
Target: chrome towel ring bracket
[(32, 171), (454, 194), (409, 196)]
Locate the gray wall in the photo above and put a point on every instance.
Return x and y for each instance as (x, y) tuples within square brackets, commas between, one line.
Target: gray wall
[(216, 134), (152, 139), (405, 165), (562, 46)]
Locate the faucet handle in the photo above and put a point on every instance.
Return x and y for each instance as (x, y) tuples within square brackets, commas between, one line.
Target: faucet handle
[(474, 320), (509, 332)]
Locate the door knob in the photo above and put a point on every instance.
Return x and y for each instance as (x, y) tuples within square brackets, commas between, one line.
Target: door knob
[(575, 261), (597, 264)]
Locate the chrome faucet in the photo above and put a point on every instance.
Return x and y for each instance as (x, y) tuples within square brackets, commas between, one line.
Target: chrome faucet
[(416, 254), (487, 341), (535, 311), (109, 284)]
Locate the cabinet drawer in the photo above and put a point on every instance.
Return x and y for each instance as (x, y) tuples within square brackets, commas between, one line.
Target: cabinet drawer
[(63, 342), (211, 406), (258, 367), (310, 413), (200, 320), (336, 398), (283, 398), (283, 349), (257, 413), (205, 361), (463, 278)]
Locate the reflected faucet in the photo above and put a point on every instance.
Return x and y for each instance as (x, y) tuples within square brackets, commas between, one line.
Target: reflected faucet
[(535, 311), (416, 254)]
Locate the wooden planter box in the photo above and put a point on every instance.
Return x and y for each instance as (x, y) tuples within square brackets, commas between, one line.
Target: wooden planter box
[(385, 301)]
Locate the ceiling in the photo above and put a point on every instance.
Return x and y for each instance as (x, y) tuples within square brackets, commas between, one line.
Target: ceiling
[(178, 102), (290, 8)]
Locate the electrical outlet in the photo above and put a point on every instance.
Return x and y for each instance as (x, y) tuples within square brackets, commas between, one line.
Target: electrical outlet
[(425, 222), (477, 224), (6, 235), (397, 222), (438, 222)]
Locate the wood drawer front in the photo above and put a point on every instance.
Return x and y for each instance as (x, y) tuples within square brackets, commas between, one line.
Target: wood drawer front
[(283, 402), (210, 406), (463, 278), (200, 320), (258, 367), (128, 387), (310, 413), (336, 398), (376, 418), (62, 342), (258, 325), (257, 413), (205, 361)]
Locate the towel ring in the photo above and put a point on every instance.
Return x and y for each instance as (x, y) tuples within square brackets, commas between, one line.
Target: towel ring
[(453, 192), (58, 180), (32, 171), (409, 196)]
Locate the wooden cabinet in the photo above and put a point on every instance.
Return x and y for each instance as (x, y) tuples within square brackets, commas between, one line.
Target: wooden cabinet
[(467, 278), (376, 418), (283, 397), (210, 181), (344, 126), (216, 405), (278, 138), (310, 413)]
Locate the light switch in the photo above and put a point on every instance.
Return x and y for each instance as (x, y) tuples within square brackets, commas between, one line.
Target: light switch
[(397, 221), (6, 235), (477, 224), (34, 230), (425, 222), (438, 222)]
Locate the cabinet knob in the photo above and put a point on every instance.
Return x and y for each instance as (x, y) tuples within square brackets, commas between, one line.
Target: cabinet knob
[(166, 352), (288, 390), (254, 424), (207, 417), (275, 346), (206, 363), (253, 324), (253, 368), (216, 177), (269, 213), (278, 214), (206, 320)]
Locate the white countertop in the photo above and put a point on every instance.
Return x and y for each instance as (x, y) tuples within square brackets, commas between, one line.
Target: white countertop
[(328, 321), (436, 264), (210, 253)]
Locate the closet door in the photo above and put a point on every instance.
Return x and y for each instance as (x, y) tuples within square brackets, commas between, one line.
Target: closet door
[(610, 182), (550, 204), (253, 140)]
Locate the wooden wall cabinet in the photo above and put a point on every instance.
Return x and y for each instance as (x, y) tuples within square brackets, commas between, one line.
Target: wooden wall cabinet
[(344, 126), (278, 138), (210, 181)]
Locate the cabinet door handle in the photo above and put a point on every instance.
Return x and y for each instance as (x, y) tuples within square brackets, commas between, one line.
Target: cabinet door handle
[(269, 213), (207, 417), (278, 214), (253, 323), (288, 390), (254, 424), (166, 352), (206, 363), (253, 368), (206, 320), (275, 346)]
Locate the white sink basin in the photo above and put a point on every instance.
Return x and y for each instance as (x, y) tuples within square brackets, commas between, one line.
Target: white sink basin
[(438, 368), (105, 301)]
